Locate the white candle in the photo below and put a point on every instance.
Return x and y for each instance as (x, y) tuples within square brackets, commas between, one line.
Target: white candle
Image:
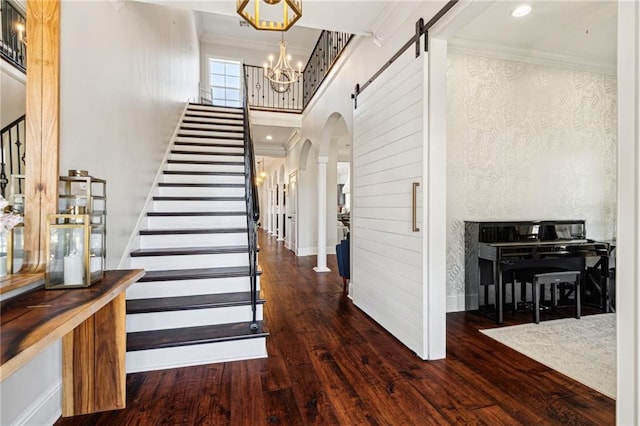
[(3, 266), (73, 270)]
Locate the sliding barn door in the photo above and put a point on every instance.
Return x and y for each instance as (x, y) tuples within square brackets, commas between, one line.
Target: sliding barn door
[(388, 168)]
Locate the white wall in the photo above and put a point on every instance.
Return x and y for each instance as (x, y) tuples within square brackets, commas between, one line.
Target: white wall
[(12, 93), (125, 76), (33, 394), (527, 142)]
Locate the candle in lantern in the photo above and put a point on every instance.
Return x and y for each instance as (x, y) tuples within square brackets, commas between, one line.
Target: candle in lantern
[(73, 270)]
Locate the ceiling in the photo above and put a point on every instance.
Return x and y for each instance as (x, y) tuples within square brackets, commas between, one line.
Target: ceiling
[(571, 32), (582, 33)]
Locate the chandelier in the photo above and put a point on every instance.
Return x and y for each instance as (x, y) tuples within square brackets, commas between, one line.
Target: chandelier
[(282, 75), (269, 17)]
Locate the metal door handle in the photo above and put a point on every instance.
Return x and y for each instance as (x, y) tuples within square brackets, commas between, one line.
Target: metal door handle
[(414, 196)]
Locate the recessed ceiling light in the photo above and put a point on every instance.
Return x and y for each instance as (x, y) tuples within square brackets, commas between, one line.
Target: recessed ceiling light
[(269, 137), (521, 11)]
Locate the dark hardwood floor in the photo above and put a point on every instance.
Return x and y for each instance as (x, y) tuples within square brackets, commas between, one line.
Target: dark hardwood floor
[(330, 364)]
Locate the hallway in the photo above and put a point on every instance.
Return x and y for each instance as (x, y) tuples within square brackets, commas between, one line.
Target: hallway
[(330, 364)]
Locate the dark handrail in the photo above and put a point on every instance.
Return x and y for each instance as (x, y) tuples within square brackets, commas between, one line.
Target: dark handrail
[(253, 207), (325, 54), (12, 48), (421, 29), (261, 96), (12, 151)]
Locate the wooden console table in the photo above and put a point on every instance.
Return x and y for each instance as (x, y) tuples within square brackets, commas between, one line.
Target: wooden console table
[(91, 324)]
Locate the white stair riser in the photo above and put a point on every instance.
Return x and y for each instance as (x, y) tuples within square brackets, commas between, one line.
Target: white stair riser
[(208, 157), (184, 356), (171, 178), (194, 191), (213, 108), (204, 168), (198, 206), (235, 142), (211, 134), (239, 150), (175, 288), (190, 318), (196, 222), (230, 127), (233, 121), (192, 240), (158, 263)]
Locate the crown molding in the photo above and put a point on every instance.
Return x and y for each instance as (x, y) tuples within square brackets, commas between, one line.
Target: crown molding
[(473, 47), (269, 150)]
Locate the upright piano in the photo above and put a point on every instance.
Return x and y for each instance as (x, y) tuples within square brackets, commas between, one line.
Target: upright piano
[(494, 250)]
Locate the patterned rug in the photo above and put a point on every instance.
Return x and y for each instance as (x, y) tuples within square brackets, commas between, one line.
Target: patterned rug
[(583, 349)]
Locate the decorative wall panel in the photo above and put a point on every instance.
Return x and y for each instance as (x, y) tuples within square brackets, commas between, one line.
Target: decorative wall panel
[(527, 142)]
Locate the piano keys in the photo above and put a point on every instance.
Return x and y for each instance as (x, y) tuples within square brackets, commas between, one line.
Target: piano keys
[(494, 250)]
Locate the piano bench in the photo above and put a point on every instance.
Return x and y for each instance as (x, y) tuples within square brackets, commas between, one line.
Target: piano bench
[(557, 280)]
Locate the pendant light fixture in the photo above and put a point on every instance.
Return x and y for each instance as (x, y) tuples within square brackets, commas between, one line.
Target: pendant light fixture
[(282, 75), (268, 17)]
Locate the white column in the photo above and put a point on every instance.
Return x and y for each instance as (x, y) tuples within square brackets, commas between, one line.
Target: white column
[(434, 190), (280, 212), (272, 226), (628, 233), (322, 215), (267, 214)]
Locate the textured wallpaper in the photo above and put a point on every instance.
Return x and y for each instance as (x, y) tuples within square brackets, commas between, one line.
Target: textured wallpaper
[(527, 142)]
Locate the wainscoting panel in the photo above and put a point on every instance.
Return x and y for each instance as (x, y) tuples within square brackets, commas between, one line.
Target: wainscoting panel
[(387, 280)]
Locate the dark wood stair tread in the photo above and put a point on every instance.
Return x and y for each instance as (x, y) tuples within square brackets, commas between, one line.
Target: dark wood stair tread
[(201, 173), (193, 231), (158, 339), (209, 129), (186, 251), (184, 303), (213, 107), (177, 198), (196, 274), (225, 154), (237, 138), (201, 185), (179, 214), (212, 145), (213, 122), (208, 163)]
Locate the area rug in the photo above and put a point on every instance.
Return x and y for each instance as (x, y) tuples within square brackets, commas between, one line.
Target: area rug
[(583, 349)]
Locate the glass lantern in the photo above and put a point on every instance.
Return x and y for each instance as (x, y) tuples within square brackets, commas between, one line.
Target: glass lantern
[(75, 250), (15, 249)]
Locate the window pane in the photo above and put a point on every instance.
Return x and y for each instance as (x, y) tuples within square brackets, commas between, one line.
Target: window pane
[(233, 69), (233, 82), (218, 93), (233, 94), (217, 67), (217, 80)]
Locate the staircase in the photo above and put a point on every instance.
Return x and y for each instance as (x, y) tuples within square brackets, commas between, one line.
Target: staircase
[(195, 305)]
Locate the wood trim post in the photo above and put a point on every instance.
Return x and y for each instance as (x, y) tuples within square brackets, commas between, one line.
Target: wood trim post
[(42, 126)]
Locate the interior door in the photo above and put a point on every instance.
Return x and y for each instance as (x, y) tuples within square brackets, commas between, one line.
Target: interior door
[(292, 211)]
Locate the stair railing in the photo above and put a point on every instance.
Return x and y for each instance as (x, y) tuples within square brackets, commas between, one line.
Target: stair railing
[(12, 45), (12, 152), (253, 207)]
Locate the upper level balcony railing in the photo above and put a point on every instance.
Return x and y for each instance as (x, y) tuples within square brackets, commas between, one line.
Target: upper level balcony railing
[(12, 44), (326, 52)]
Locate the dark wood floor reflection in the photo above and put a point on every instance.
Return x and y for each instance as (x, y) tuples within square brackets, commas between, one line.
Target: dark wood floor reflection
[(329, 364)]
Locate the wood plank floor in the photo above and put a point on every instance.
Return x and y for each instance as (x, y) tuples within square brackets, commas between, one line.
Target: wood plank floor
[(330, 364)]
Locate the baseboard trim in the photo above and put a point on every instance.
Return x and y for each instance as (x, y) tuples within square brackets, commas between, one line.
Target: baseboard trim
[(455, 303), (46, 409)]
